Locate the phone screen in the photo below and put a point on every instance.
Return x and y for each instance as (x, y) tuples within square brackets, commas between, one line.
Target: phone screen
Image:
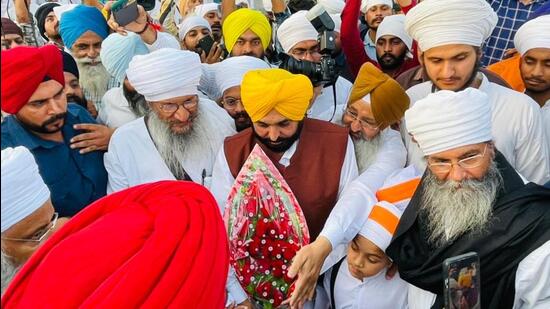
[(462, 281), (206, 43)]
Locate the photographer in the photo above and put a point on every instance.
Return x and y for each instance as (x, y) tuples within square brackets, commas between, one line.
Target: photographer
[(194, 33)]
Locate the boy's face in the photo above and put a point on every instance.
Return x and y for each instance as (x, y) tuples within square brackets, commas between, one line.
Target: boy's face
[(365, 259)]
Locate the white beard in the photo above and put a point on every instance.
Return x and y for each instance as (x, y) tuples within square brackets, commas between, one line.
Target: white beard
[(94, 79), (365, 152), (9, 270), (185, 147), (451, 211)]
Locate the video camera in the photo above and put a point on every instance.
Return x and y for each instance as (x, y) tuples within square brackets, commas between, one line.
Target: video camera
[(324, 72)]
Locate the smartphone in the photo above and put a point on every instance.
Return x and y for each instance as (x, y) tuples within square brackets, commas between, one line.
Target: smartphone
[(462, 281), (126, 14), (206, 43)]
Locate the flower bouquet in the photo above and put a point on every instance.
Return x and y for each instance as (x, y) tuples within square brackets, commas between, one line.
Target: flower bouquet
[(266, 227)]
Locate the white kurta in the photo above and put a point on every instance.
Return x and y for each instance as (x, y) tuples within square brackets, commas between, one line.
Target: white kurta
[(133, 158), (532, 283), (545, 110), (517, 130), (324, 104), (116, 110)]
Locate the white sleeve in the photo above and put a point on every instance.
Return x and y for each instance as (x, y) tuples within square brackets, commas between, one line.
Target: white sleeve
[(117, 179), (234, 290), (222, 180), (532, 286), (164, 40), (349, 168)]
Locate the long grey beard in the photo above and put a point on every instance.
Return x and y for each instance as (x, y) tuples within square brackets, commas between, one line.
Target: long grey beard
[(94, 79), (177, 148), (9, 270), (365, 152), (453, 208)]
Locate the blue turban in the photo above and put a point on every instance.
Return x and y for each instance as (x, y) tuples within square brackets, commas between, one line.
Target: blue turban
[(117, 51), (79, 20)]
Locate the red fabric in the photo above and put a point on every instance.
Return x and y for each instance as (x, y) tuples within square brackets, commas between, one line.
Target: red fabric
[(353, 46), (159, 245), (23, 69)]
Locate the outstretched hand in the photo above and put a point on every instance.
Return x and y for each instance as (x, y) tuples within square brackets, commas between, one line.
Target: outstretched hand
[(97, 137)]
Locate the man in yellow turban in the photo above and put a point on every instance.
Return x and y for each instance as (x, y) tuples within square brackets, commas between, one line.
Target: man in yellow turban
[(246, 32), (316, 158)]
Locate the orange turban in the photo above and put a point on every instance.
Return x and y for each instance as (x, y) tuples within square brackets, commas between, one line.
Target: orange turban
[(388, 99), (159, 245), (268, 89)]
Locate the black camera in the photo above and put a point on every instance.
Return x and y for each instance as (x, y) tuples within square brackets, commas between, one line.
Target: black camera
[(325, 72)]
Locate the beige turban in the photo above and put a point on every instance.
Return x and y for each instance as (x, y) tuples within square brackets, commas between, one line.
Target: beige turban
[(367, 4), (230, 72), (295, 29), (533, 34), (434, 23), (332, 6), (394, 25), (446, 120)]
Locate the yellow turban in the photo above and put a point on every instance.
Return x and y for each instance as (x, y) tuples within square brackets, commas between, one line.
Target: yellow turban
[(241, 20), (388, 99), (268, 89)]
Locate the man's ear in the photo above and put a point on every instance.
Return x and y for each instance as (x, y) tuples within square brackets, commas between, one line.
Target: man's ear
[(420, 57)]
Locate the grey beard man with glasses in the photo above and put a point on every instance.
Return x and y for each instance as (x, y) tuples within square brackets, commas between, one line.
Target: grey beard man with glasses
[(179, 136)]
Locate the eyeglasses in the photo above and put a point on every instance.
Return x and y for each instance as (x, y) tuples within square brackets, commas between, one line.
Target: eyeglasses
[(466, 163), (39, 236), (172, 108), (364, 124), (302, 53), (231, 103)]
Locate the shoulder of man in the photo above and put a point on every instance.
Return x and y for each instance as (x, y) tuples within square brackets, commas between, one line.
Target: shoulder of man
[(7, 139), (324, 127), (79, 114)]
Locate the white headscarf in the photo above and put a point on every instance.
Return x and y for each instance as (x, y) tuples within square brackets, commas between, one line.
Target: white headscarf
[(394, 25), (433, 23), (367, 4), (23, 190), (60, 10), (230, 72), (332, 6), (446, 120), (295, 29), (165, 73), (337, 22), (533, 34), (191, 22), (201, 10)]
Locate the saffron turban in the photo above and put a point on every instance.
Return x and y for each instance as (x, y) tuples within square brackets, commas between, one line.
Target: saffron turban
[(118, 50), (239, 21), (367, 4), (165, 74), (394, 25), (387, 98), (534, 33), (191, 22), (24, 69), (332, 6), (41, 13), (295, 29), (230, 72), (9, 27), (158, 245), (82, 18), (201, 10), (433, 23), (265, 90), (446, 120), (23, 190)]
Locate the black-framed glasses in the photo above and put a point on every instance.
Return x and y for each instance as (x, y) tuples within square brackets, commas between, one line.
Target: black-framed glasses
[(466, 163), (364, 124), (172, 108), (39, 235)]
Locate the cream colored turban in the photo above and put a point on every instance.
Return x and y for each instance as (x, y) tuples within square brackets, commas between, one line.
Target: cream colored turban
[(295, 29), (394, 25), (337, 22), (533, 34), (367, 4), (446, 120), (201, 10), (434, 23), (191, 22), (332, 6), (230, 72), (165, 73)]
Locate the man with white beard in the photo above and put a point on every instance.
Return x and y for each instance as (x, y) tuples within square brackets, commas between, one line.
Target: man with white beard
[(471, 199), (180, 135), (28, 217)]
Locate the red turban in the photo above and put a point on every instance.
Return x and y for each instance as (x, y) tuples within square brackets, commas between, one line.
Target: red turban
[(23, 69), (156, 245)]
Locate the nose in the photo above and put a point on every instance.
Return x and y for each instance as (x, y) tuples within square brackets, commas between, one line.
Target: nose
[(309, 57), (457, 173), (447, 71), (357, 262), (355, 126), (538, 70), (247, 48), (182, 114), (93, 52), (273, 134), (55, 107), (239, 107), (387, 47)]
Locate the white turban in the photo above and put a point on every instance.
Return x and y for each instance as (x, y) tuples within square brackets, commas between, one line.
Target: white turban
[(201, 10), (60, 10), (381, 224), (118, 50), (23, 190), (367, 4), (394, 25), (446, 120), (533, 34), (337, 22), (295, 29), (332, 6), (165, 73), (230, 72), (191, 22), (267, 5), (435, 23)]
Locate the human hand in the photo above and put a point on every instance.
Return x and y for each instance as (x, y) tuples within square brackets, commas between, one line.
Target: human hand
[(136, 26), (213, 56), (97, 137), (247, 304)]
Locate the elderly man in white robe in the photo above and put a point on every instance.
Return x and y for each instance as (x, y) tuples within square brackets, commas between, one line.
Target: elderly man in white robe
[(28, 216), (298, 39), (180, 135), (450, 54)]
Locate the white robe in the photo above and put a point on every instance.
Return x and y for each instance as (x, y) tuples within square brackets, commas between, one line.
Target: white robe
[(545, 110), (133, 158), (116, 110), (324, 104), (517, 130)]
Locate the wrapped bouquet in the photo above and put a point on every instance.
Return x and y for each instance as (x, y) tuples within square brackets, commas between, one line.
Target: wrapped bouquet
[(266, 227)]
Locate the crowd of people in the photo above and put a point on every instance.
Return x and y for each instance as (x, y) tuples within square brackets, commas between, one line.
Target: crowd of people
[(409, 132)]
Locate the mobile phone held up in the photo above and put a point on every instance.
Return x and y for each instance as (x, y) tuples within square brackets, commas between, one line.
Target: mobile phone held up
[(462, 281), (125, 12), (205, 44)]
